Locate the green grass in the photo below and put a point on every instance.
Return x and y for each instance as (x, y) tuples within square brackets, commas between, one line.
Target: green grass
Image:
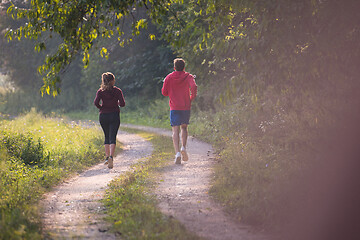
[(155, 114), (138, 117), (36, 153), (92, 114), (143, 119), (131, 207)]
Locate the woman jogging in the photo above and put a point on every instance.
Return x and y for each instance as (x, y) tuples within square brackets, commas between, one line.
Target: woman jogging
[(111, 98)]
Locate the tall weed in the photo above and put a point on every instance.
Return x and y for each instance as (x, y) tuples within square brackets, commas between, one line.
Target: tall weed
[(35, 154)]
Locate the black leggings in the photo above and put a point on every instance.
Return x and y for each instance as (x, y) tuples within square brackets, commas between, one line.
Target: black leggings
[(110, 123)]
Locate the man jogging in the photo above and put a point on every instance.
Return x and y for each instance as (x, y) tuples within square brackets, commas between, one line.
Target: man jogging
[(181, 88)]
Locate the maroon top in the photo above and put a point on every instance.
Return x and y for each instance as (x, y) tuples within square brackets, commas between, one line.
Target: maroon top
[(110, 100)]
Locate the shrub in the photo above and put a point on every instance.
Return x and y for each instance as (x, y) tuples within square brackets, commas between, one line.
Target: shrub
[(24, 147)]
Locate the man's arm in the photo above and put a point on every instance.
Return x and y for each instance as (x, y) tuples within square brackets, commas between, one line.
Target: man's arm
[(193, 88), (164, 89)]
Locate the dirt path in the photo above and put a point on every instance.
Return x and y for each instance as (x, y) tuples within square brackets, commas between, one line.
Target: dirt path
[(73, 210), (183, 194)]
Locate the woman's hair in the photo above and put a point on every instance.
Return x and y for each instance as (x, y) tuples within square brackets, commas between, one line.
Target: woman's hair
[(179, 64), (107, 81)]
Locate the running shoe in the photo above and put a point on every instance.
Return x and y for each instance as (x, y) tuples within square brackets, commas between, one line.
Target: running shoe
[(110, 162), (177, 158), (184, 154)]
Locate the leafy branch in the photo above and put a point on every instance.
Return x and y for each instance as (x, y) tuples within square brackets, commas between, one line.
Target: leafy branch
[(79, 24)]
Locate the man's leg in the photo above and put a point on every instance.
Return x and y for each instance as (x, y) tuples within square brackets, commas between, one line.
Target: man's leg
[(184, 135), (176, 141), (175, 137)]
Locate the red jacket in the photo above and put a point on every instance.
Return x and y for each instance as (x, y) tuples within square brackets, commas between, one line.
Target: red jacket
[(181, 88), (110, 100)]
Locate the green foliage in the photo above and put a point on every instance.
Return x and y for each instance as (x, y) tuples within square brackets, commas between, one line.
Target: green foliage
[(79, 24), (35, 154), (131, 210), (132, 65), (241, 46)]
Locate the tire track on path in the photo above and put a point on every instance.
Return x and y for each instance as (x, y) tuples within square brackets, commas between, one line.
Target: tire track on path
[(72, 209), (183, 194)]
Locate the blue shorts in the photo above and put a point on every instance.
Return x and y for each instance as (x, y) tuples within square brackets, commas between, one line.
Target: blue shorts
[(179, 117)]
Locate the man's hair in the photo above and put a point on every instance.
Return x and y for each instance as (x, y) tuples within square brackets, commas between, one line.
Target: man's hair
[(179, 64), (107, 81)]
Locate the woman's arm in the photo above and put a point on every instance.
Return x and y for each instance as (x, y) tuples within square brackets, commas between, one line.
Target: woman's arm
[(121, 101), (97, 99)]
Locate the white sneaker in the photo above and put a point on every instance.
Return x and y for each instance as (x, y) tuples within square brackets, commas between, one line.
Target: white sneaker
[(184, 154), (177, 158)]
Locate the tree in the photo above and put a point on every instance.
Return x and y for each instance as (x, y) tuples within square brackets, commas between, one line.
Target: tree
[(79, 24), (249, 45)]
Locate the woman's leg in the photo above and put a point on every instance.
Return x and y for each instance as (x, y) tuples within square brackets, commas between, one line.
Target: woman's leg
[(107, 150), (112, 149), (103, 119), (113, 130)]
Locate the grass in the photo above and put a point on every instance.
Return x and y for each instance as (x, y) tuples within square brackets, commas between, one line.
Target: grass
[(143, 119), (138, 117), (131, 207), (92, 115), (154, 114), (36, 153)]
